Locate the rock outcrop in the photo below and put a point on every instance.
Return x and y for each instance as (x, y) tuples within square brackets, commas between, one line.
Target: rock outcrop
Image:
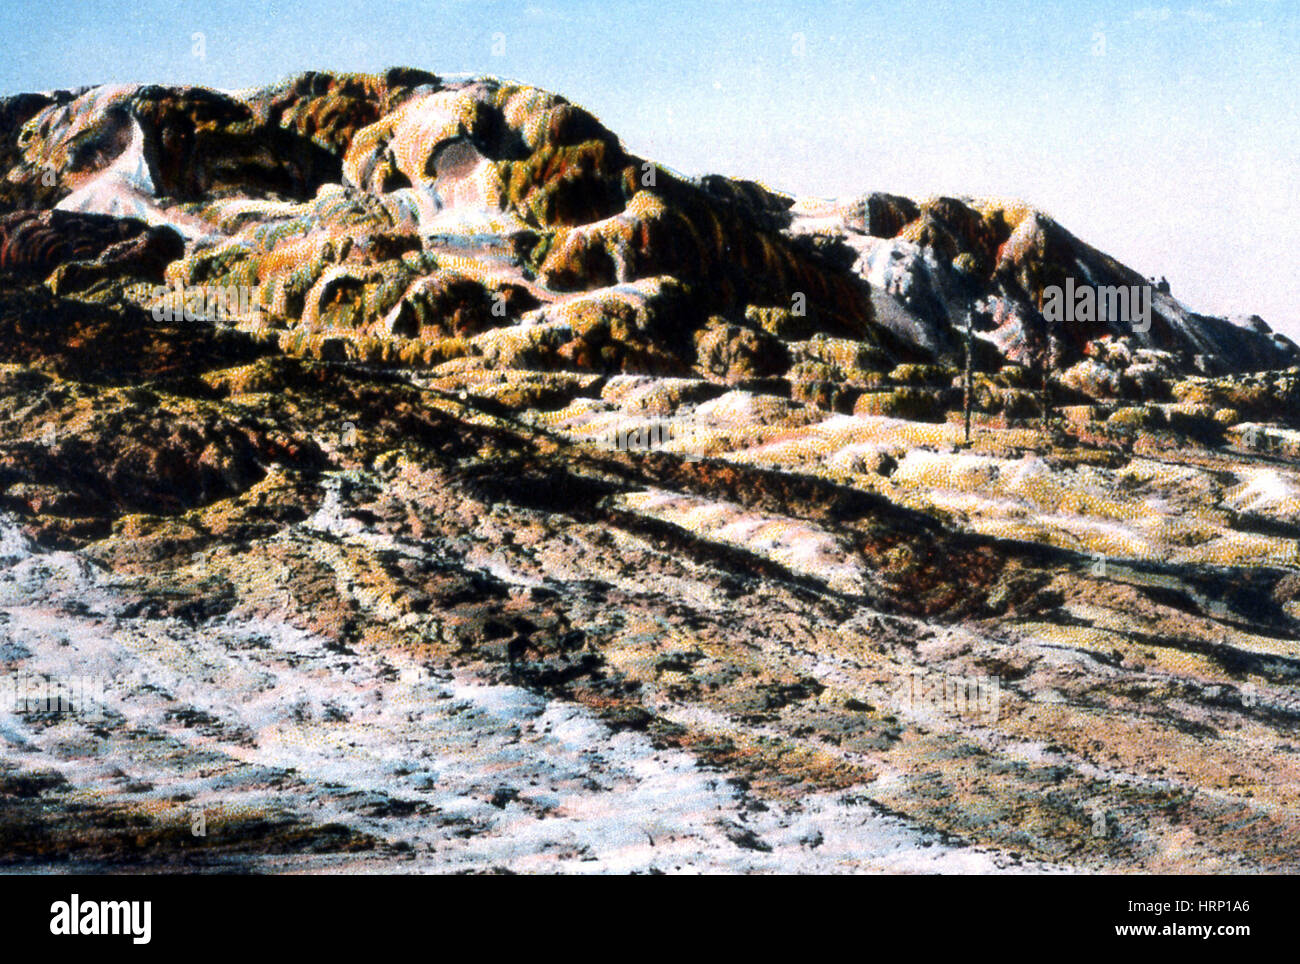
[(366, 205)]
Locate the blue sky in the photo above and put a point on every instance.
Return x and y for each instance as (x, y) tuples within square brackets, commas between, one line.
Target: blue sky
[(1165, 134)]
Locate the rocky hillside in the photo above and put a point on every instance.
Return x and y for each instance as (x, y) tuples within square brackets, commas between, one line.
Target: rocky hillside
[(391, 213), (542, 509)]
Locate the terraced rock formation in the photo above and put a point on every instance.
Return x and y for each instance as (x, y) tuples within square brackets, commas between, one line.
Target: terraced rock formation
[(548, 510)]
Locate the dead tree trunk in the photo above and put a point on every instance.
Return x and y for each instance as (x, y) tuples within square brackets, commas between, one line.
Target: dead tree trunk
[(1046, 401), (966, 401)]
